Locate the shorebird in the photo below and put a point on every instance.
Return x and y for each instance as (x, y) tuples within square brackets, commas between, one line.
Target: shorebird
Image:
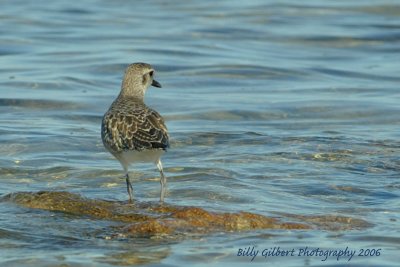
[(131, 131)]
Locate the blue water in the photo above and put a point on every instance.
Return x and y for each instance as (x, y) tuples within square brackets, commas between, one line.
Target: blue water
[(281, 108)]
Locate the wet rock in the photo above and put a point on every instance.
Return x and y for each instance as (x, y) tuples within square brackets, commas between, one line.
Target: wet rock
[(154, 219), (333, 222)]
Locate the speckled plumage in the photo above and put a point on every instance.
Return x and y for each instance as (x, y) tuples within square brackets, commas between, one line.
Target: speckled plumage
[(130, 125), (130, 130)]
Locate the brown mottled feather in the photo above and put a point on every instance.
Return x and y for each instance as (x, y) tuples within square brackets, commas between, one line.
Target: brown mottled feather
[(130, 125)]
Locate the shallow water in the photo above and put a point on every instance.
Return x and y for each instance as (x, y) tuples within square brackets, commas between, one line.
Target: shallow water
[(279, 108)]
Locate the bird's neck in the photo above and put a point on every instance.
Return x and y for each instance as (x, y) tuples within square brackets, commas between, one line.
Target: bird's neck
[(131, 90)]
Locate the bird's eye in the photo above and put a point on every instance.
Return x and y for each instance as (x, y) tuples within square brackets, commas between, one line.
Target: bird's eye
[(151, 73)]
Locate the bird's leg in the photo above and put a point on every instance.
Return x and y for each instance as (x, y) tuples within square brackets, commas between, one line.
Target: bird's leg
[(163, 181), (129, 187)]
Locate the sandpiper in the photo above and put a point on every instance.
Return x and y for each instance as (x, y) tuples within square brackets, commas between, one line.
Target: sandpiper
[(130, 130)]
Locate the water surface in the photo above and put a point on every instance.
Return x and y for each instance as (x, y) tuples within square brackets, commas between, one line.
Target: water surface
[(274, 107)]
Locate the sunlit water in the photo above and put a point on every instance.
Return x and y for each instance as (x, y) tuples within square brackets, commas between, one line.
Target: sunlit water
[(273, 107)]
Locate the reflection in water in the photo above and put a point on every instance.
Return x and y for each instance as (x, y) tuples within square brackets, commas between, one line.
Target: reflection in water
[(136, 256)]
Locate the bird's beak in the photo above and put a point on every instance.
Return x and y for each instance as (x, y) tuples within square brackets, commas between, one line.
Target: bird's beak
[(156, 84)]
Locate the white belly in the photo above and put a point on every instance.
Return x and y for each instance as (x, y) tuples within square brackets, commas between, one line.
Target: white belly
[(129, 157)]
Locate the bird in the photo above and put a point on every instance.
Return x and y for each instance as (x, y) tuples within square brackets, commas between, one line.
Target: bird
[(130, 130)]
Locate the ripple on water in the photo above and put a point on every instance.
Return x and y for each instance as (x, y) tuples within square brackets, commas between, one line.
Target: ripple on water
[(38, 104), (271, 107)]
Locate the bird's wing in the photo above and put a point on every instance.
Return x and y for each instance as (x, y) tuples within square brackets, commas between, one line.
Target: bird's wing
[(138, 128)]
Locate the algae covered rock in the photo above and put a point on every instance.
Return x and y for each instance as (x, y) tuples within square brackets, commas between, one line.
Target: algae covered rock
[(149, 219)]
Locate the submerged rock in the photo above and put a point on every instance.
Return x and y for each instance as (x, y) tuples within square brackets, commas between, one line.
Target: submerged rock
[(154, 219)]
